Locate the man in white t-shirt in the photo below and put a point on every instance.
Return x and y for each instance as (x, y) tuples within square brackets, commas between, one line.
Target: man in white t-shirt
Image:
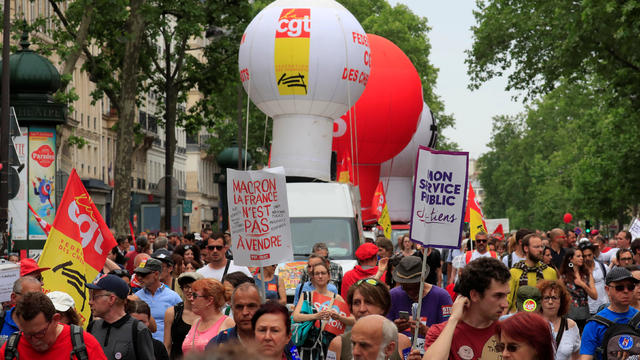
[(218, 265), (624, 242), (482, 250)]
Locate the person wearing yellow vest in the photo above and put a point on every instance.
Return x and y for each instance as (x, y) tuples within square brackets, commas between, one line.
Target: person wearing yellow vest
[(530, 270), (482, 250)]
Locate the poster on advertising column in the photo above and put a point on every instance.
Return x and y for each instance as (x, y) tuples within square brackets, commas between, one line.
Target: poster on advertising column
[(259, 217), (41, 183), (439, 196), (18, 205)]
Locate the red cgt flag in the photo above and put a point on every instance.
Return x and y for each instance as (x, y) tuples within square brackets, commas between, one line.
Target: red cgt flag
[(77, 245)]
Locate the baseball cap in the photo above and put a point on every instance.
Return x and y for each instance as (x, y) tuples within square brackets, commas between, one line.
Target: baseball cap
[(61, 300), (528, 298), (409, 269), (619, 273), (163, 255), (366, 251), (149, 266), (189, 277), (29, 266), (112, 284)]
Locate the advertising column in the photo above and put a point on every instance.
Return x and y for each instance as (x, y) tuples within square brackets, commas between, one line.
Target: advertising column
[(41, 184), (18, 213)]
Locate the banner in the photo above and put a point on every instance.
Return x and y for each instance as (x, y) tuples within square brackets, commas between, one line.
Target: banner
[(475, 215), (321, 302), (345, 169), (42, 174), (439, 191), (18, 213), (380, 209), (634, 229), (259, 217), (77, 246)]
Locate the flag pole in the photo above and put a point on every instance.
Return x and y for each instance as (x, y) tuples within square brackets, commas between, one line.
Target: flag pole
[(418, 312), (263, 288)]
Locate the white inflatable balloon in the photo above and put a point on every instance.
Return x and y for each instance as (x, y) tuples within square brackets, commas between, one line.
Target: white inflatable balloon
[(304, 63), (397, 174)]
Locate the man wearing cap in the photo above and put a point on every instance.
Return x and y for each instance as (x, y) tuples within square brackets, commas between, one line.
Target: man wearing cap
[(620, 284), (21, 286), (436, 302), (531, 270), (166, 275), (29, 267), (367, 267), (156, 294), (120, 335)]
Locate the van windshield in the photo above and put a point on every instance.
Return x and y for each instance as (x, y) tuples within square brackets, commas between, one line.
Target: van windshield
[(340, 235)]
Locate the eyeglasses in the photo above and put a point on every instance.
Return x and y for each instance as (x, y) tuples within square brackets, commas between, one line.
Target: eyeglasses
[(38, 335), (481, 240), (370, 281), (629, 287), (215, 247), (510, 347), (550, 298), (185, 288), (196, 295)]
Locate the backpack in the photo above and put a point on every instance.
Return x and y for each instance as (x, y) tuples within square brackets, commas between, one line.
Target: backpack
[(77, 340), (619, 338)]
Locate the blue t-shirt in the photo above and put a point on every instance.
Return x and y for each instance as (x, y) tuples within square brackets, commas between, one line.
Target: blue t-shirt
[(436, 306), (593, 332), (159, 302), (9, 326), (307, 286)]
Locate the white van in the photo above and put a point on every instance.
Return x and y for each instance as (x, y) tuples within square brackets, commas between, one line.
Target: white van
[(322, 212)]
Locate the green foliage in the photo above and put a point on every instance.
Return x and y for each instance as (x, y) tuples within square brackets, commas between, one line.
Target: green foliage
[(76, 141)]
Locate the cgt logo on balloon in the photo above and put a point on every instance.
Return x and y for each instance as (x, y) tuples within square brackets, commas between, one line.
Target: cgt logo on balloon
[(291, 52)]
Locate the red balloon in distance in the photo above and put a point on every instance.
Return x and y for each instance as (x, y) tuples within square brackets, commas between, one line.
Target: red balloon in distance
[(387, 112), (567, 218)]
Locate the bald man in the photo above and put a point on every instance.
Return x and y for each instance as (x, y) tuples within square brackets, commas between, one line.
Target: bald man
[(374, 337), (557, 240)]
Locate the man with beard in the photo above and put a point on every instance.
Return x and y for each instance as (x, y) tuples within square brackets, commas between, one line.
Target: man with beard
[(481, 250), (530, 270), (42, 335), (374, 338), (436, 302)]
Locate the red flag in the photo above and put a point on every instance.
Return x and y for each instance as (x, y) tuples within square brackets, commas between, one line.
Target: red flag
[(499, 232), (133, 236), (474, 215), (79, 219), (380, 210), (45, 226), (345, 169)]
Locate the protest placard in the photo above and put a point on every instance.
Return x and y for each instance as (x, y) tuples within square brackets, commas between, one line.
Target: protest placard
[(321, 302), (634, 229), (9, 273), (259, 217), (439, 197)]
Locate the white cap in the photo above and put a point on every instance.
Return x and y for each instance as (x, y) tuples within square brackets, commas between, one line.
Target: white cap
[(61, 300)]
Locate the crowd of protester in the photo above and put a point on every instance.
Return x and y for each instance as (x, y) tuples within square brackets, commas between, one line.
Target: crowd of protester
[(535, 295)]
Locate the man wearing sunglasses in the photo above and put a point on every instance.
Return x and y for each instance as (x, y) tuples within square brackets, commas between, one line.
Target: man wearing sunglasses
[(620, 284), (42, 336), (218, 265), (482, 250)]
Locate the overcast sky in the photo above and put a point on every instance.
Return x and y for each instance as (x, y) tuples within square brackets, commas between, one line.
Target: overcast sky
[(450, 36)]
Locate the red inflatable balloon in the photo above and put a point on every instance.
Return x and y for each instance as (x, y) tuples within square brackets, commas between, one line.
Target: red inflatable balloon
[(386, 116), (567, 218)]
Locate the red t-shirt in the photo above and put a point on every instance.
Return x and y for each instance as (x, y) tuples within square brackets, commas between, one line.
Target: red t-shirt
[(60, 349), (468, 342)]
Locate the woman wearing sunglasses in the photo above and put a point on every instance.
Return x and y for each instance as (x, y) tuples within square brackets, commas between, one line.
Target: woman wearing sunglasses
[(525, 336), (555, 306), (365, 297)]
